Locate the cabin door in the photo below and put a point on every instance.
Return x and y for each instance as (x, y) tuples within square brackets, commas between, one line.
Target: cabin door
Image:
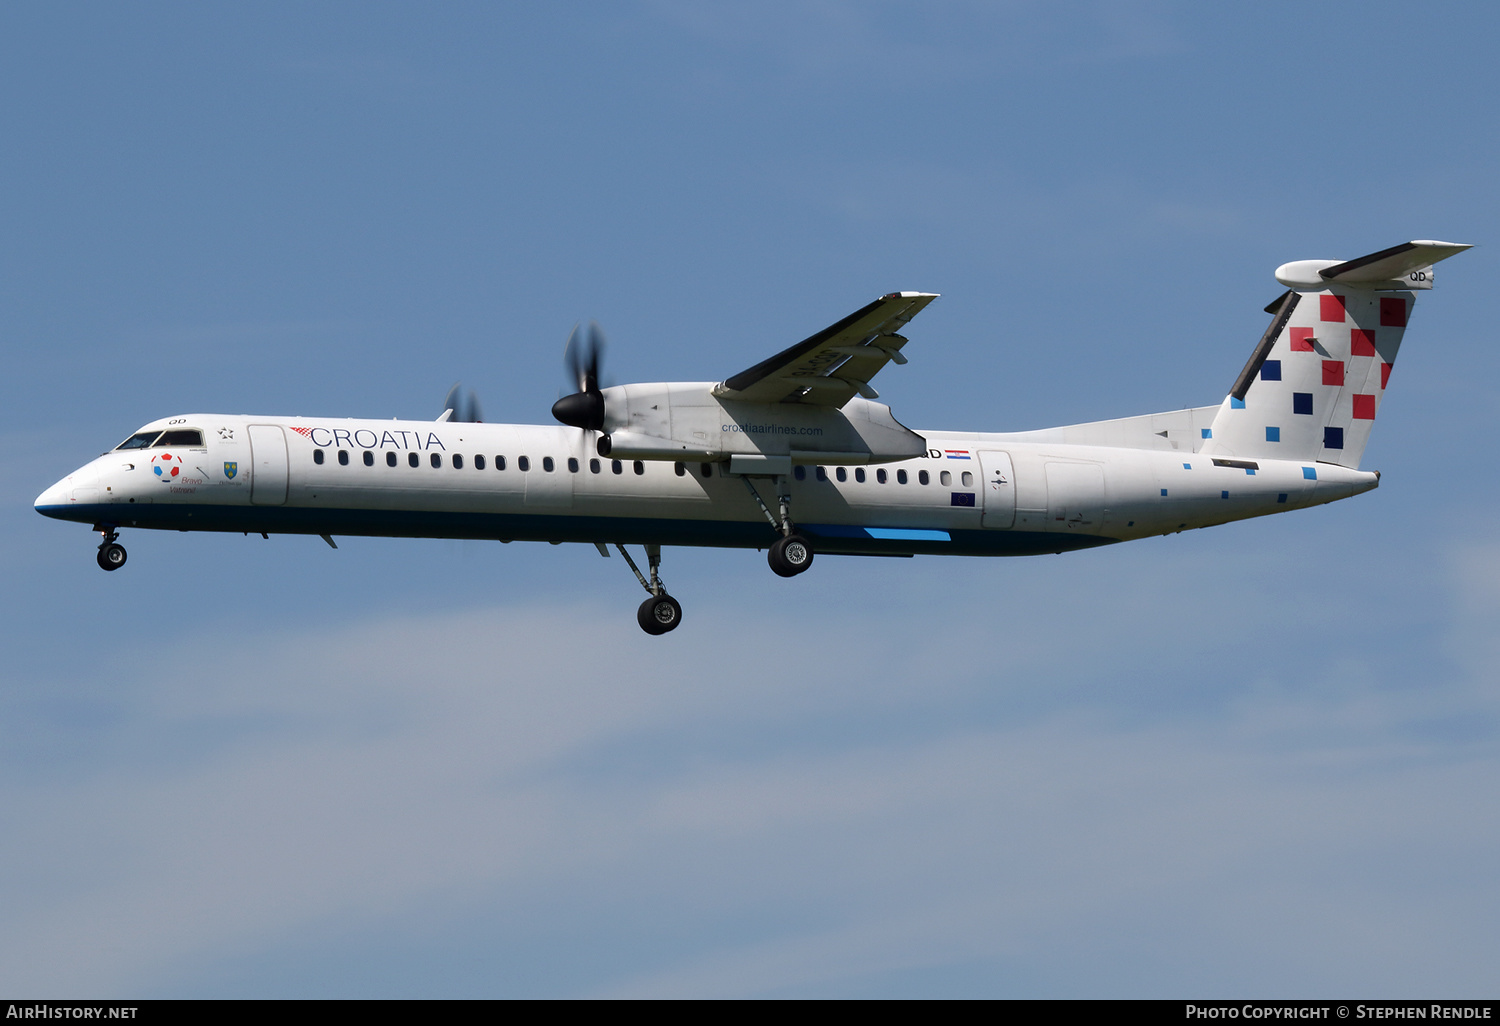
[(1075, 497), (268, 465), (999, 489)]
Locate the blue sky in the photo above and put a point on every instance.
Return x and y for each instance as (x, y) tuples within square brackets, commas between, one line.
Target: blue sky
[(1259, 759)]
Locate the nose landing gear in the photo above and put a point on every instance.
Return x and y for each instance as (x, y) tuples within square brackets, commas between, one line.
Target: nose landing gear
[(111, 553)]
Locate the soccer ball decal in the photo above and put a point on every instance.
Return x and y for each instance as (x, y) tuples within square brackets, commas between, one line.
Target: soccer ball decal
[(166, 466)]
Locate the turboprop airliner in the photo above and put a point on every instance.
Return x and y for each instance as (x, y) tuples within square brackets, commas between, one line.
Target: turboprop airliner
[(793, 455)]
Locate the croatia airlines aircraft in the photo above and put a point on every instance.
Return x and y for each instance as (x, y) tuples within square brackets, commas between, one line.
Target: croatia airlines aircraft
[(794, 455)]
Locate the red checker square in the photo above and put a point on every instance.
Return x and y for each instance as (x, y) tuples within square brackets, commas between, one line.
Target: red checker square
[(1364, 407), (1392, 312), (1331, 308), (1301, 339), (1362, 342), (1385, 374), (1333, 372)]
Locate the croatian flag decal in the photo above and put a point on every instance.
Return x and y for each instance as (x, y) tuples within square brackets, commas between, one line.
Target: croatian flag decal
[(957, 454)]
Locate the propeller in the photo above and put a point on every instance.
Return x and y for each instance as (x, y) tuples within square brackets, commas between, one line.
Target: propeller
[(464, 404), (584, 408)]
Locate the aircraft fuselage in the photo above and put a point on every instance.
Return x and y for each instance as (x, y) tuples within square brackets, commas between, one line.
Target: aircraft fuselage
[(969, 494)]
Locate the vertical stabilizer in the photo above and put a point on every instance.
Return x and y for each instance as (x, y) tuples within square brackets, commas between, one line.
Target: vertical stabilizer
[(1314, 382)]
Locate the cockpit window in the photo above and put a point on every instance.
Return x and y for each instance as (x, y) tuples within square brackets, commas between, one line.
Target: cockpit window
[(189, 437), (140, 441)]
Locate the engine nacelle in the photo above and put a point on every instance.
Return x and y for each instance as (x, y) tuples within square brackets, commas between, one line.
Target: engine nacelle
[(684, 421)]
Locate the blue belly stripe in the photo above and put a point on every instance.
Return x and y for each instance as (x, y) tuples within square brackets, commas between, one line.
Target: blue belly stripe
[(902, 534)]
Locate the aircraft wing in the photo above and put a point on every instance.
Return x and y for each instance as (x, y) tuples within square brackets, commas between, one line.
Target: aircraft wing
[(831, 367)]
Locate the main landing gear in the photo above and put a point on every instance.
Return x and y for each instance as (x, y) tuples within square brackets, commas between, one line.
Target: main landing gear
[(111, 553), (660, 612), (792, 553)]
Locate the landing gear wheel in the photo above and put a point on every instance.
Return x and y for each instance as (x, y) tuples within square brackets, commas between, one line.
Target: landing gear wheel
[(790, 556), (111, 556), (659, 614)]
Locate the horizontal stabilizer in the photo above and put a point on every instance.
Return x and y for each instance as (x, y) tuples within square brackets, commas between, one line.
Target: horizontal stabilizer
[(1407, 266)]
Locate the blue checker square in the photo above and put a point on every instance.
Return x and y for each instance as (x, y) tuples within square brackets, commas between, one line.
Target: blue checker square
[(1187, 466), (1236, 404), (1309, 473), (1333, 438), (1281, 497), (1302, 403), (1223, 495), (1273, 434), (1270, 370), (1164, 493), (1208, 432)]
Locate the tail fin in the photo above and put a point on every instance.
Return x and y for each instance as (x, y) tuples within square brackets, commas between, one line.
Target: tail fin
[(1315, 380)]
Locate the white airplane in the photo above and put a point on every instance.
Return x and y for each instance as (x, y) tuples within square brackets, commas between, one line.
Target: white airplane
[(728, 464)]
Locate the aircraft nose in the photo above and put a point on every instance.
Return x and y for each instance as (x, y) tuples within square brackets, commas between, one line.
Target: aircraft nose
[(81, 486)]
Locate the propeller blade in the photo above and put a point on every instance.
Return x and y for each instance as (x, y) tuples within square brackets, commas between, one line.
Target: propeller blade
[(594, 358), (573, 360), (463, 404)]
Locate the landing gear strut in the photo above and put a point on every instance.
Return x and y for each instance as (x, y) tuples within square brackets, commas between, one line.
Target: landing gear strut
[(111, 553), (660, 612), (792, 553)]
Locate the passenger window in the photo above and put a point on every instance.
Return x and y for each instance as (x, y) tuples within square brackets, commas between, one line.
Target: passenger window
[(318, 456), (708, 470), (968, 480), (901, 477), (841, 474), (499, 462), (343, 457), (478, 462), (436, 460), (458, 461), (547, 464), (617, 466), (140, 441), (799, 472), (572, 465), (822, 474), (413, 460), (593, 466), (923, 477), (859, 474), (369, 458), (945, 479), (523, 464), (190, 439), (390, 459), (880, 475), (640, 468), (679, 468)]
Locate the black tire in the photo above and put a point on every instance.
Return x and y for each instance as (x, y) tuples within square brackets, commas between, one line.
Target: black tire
[(659, 614), (790, 556), (111, 556)]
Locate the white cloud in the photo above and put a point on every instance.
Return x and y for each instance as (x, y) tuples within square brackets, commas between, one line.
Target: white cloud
[(832, 814)]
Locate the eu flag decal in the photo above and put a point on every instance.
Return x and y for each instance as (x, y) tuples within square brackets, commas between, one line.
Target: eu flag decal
[(962, 498), (230, 469)]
